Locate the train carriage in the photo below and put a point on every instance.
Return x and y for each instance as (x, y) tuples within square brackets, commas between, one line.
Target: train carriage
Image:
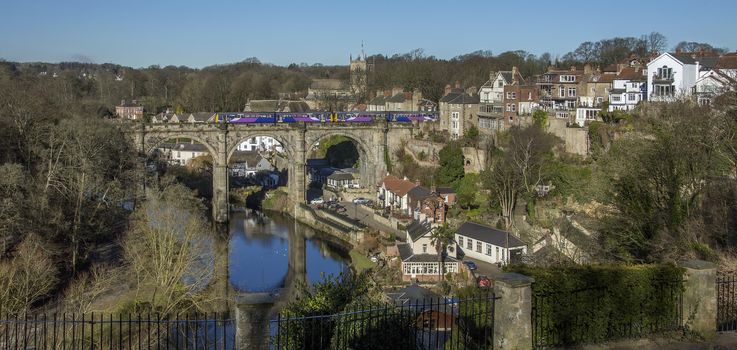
[(324, 117)]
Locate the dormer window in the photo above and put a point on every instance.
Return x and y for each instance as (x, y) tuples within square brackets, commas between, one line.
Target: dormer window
[(568, 78)]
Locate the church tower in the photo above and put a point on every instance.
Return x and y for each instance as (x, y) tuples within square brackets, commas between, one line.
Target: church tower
[(359, 68)]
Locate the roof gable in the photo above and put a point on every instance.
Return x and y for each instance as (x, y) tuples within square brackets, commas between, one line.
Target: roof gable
[(417, 229)]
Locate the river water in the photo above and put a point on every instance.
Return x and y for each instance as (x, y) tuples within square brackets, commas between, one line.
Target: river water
[(258, 259)]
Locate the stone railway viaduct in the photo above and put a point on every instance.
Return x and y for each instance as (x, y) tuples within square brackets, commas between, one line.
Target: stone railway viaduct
[(373, 140)]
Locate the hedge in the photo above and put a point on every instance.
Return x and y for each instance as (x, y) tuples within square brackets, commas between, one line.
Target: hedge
[(591, 304)]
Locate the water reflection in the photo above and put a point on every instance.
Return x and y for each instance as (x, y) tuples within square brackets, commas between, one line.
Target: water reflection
[(260, 260)]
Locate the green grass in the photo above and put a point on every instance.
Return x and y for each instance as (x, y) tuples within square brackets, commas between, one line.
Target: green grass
[(360, 261)]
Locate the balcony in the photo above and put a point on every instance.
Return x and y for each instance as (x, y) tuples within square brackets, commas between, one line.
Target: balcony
[(662, 79), (491, 110)]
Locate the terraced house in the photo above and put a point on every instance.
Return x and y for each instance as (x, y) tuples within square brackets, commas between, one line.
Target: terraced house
[(491, 115), (458, 110)]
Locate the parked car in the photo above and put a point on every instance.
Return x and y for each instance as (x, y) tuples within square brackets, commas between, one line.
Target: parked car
[(470, 264), (318, 200), (360, 200), (484, 281)]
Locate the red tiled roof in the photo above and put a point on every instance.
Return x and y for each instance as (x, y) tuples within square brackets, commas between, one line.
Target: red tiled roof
[(398, 186), (630, 73), (728, 61)]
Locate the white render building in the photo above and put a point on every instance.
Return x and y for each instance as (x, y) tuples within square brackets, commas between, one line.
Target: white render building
[(671, 76), (488, 244), (628, 89), (261, 143)]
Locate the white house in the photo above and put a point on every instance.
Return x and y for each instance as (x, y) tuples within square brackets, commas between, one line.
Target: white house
[(419, 256), (586, 114), (261, 143), (393, 193), (181, 153), (720, 79), (493, 89), (246, 164), (628, 89), (673, 75), (714, 83), (342, 179), (488, 244)]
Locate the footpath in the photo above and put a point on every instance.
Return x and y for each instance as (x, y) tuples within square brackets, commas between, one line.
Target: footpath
[(723, 341)]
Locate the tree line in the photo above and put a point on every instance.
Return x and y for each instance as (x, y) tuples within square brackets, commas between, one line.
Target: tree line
[(94, 89)]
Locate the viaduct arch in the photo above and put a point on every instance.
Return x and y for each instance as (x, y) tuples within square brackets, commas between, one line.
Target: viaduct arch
[(373, 140)]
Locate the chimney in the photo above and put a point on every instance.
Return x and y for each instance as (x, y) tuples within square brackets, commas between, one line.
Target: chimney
[(458, 84), (678, 50), (471, 90), (586, 69), (122, 102), (515, 73), (573, 68), (447, 89), (387, 93), (397, 90), (433, 189), (491, 75)]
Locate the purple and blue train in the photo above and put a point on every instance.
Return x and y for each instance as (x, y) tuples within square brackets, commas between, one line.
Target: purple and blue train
[(324, 117)]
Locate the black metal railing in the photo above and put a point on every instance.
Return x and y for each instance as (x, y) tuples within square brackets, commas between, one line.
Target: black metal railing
[(108, 331), (726, 303), (597, 314), (430, 324)]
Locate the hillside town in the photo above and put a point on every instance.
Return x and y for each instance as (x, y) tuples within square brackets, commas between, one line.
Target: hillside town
[(516, 199), (405, 212)]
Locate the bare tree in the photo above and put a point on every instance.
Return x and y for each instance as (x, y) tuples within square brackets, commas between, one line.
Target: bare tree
[(167, 249), (88, 287), (521, 168), (656, 42), (26, 277)]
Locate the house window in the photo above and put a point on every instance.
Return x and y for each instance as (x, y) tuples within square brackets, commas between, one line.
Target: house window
[(616, 98), (665, 73), (562, 92), (599, 99), (497, 253), (424, 248), (469, 244), (478, 246), (567, 78), (664, 90), (511, 95), (500, 83), (455, 115), (488, 249), (571, 92), (460, 241), (631, 97)]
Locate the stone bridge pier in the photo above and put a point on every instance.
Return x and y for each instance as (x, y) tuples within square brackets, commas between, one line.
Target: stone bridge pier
[(254, 311), (373, 141)]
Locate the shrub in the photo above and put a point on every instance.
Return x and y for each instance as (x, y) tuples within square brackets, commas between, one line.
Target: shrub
[(588, 304)]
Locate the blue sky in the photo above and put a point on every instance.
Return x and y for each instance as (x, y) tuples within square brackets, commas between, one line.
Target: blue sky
[(201, 33)]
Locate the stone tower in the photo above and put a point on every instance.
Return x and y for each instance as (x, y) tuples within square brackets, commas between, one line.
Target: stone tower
[(359, 68)]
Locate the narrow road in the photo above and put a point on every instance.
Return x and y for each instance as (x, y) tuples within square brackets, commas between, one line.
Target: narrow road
[(366, 216)]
